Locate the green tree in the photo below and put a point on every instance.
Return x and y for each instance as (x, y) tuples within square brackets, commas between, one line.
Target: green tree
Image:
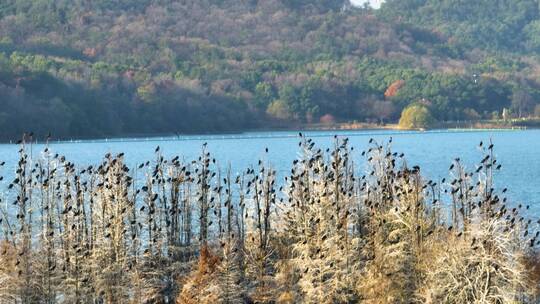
[(279, 109), (264, 94), (522, 102), (416, 116)]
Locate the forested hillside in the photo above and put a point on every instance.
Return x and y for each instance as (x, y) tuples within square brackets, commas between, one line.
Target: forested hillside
[(103, 68)]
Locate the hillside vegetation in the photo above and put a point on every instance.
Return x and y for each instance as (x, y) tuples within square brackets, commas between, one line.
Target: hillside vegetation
[(105, 68)]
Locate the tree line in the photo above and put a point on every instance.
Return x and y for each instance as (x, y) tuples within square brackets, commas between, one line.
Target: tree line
[(111, 68)]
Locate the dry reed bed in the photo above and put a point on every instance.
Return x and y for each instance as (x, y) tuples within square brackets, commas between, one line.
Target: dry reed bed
[(187, 232)]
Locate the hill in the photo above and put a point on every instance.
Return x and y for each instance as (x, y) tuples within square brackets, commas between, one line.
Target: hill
[(106, 68)]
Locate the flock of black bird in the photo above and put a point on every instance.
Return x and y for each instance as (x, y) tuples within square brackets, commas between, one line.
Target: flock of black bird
[(168, 208)]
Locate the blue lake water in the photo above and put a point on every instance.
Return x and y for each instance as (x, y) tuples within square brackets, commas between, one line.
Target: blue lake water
[(433, 151)]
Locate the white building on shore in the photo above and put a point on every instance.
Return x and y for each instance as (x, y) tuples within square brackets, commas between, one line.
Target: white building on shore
[(373, 3)]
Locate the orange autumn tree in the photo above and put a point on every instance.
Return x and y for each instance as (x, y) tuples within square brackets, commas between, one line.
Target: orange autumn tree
[(393, 89)]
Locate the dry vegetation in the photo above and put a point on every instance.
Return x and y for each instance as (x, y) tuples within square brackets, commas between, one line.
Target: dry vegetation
[(175, 231)]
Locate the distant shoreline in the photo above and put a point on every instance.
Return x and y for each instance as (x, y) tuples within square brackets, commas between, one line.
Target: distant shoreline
[(465, 125), (515, 124), (344, 126)]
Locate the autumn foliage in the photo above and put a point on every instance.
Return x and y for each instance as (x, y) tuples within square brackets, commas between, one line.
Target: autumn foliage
[(393, 89)]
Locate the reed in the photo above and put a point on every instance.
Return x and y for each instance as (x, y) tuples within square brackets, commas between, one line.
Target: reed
[(333, 230)]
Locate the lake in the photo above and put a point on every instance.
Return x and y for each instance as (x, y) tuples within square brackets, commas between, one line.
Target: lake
[(433, 151)]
